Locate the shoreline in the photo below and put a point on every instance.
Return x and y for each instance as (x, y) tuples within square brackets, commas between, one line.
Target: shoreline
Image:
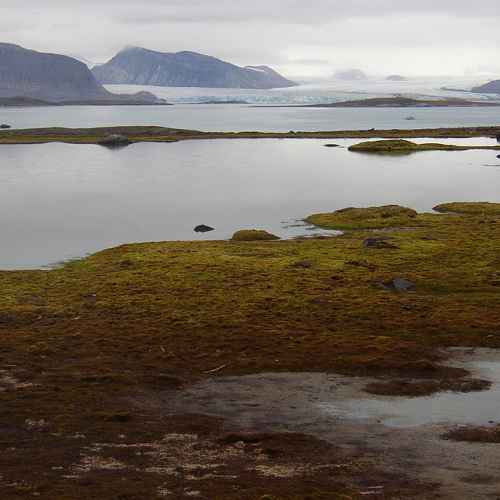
[(163, 134)]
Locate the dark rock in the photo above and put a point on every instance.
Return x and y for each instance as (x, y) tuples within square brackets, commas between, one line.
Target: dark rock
[(303, 264), (399, 285), (380, 243), (4, 126), (115, 141), (202, 228), (332, 146)]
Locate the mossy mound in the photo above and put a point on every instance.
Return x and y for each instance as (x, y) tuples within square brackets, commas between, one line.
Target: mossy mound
[(400, 146), (253, 235), (386, 145), (366, 218), (469, 208)]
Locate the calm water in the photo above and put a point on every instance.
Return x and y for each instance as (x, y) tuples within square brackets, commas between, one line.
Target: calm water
[(236, 117), (60, 201)]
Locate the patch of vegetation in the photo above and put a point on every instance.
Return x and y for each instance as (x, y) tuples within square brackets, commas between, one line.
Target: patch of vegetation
[(403, 146), (253, 235), (472, 434), (469, 208), (453, 382), (389, 216)]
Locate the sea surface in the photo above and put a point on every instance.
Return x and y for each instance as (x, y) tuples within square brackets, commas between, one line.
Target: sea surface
[(63, 201)]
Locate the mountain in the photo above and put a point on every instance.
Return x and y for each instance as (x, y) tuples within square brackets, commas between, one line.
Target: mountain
[(55, 78), (396, 78), (184, 69), (351, 74), (488, 88)]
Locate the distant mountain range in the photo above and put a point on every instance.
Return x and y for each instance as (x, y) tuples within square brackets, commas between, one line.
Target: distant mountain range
[(488, 88), (52, 78), (138, 66), (351, 75)]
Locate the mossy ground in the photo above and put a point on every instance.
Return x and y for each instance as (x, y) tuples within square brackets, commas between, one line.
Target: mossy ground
[(470, 208), (143, 318), (389, 216)]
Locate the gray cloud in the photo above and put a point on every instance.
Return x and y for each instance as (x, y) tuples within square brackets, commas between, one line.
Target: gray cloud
[(299, 38)]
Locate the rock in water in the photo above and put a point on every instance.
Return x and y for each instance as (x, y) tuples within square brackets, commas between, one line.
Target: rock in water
[(4, 126), (202, 228), (115, 141)]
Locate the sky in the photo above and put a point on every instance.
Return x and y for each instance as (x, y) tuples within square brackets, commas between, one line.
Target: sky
[(301, 39)]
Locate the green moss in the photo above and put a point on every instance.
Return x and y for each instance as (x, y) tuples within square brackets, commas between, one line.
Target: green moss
[(403, 146), (470, 208), (253, 235), (366, 218)]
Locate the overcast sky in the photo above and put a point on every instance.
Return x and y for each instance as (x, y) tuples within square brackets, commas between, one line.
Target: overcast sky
[(300, 38)]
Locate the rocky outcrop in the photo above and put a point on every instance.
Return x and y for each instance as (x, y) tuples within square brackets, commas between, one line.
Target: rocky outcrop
[(138, 66), (488, 88), (53, 78)]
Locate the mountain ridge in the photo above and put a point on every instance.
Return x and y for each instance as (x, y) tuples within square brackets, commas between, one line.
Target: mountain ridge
[(141, 66), (55, 78)]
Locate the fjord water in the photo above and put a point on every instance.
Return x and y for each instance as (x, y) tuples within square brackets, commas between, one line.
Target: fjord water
[(60, 201), (243, 117)]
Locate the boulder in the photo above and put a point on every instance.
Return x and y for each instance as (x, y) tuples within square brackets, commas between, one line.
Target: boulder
[(399, 285), (202, 228), (115, 141), (4, 126)]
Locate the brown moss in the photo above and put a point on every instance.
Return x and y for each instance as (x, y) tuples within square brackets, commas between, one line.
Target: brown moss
[(473, 434), (416, 388)]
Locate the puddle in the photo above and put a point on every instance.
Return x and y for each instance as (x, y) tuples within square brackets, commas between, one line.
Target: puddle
[(476, 408), (316, 402), (401, 435)]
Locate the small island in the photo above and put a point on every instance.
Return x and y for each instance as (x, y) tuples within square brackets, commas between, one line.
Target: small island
[(169, 135), (401, 146)]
